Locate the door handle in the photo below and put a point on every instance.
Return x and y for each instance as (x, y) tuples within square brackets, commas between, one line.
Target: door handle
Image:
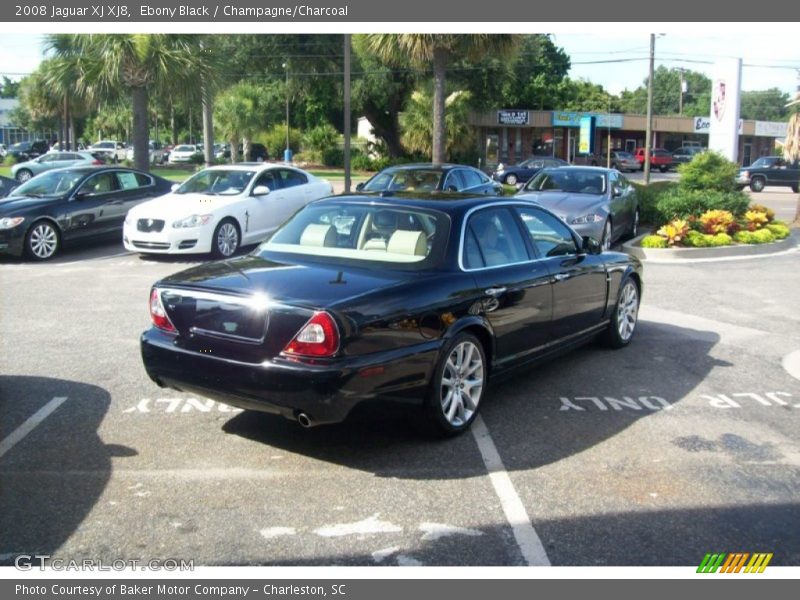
[(561, 276), (495, 291)]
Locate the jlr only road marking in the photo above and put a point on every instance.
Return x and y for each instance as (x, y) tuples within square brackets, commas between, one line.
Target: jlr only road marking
[(180, 406)]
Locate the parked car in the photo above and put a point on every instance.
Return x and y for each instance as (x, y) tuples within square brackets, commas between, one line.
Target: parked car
[(597, 202), (6, 185), (431, 178), (112, 151), (770, 170), (74, 147), (222, 208), (623, 161), (685, 154), (67, 205), (3, 150), (258, 152), (659, 159), (183, 153), (318, 320), (522, 172), (52, 160), (155, 153), (27, 150), (592, 160)]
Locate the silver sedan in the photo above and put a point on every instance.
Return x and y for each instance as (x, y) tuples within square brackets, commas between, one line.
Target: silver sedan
[(52, 160), (596, 202)]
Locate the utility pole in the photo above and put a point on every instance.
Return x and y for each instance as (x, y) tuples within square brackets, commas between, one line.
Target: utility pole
[(682, 90), (287, 153), (649, 134), (347, 124)]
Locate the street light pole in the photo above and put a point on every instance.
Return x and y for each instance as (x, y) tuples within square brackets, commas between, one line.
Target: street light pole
[(287, 153), (649, 133), (347, 125)]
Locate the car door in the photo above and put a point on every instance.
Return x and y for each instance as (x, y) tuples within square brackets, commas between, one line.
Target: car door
[(264, 213), (515, 291), (95, 208), (580, 286), (619, 203), (297, 190), (134, 188)]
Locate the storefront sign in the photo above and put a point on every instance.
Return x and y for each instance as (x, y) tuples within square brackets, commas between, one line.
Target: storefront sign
[(771, 129), (573, 119), (723, 133), (513, 117), (703, 125), (586, 140)]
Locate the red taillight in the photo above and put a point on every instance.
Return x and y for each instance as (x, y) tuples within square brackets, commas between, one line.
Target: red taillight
[(318, 337), (158, 314), (98, 162)]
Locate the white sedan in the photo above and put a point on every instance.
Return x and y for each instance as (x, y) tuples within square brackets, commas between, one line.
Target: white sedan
[(182, 154), (220, 209)]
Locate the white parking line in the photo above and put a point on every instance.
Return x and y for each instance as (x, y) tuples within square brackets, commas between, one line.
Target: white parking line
[(20, 432), (791, 363), (530, 545)]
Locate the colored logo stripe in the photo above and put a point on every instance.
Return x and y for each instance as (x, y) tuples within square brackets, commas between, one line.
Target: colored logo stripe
[(734, 562)]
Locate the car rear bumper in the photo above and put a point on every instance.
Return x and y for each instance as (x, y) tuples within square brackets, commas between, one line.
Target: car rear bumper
[(325, 392)]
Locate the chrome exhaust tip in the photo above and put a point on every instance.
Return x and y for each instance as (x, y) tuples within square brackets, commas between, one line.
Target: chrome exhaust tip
[(304, 420)]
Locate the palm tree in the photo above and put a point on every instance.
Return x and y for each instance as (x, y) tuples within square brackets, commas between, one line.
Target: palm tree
[(436, 50), (416, 117), (140, 64), (241, 112)]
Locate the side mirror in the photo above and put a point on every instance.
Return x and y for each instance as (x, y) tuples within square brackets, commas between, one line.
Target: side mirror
[(260, 190), (360, 187), (82, 195), (591, 245), (617, 192), (451, 188), (174, 187)]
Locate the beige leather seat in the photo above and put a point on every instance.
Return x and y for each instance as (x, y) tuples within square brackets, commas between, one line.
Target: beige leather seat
[(318, 234), (408, 242)]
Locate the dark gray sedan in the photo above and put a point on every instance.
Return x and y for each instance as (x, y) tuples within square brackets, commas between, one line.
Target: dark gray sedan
[(596, 202)]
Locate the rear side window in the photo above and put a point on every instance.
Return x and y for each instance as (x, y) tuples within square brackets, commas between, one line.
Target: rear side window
[(549, 236), (291, 178), (495, 233)]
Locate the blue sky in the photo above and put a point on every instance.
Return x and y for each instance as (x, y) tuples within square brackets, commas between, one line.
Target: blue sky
[(770, 59)]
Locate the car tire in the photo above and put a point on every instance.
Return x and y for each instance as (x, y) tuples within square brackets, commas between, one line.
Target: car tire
[(42, 241), (459, 384), (634, 230), (624, 316), (663, 168), (757, 184), (511, 179), (24, 175), (605, 240), (226, 239), (796, 189)]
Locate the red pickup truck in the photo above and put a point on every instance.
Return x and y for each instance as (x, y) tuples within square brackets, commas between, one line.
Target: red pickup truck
[(658, 158)]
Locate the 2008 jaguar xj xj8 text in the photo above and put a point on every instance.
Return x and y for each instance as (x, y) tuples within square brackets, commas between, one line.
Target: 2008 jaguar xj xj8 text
[(370, 297)]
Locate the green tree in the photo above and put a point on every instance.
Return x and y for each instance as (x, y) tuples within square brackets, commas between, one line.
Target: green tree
[(764, 105), (243, 110), (437, 51), (415, 120), (9, 88), (139, 64), (667, 94)]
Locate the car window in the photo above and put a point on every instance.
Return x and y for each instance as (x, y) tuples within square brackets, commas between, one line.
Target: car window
[(102, 183), (269, 179), (471, 178), (497, 237), (290, 178), (549, 236), (221, 182), (362, 232), (131, 181), (454, 180), (47, 158)]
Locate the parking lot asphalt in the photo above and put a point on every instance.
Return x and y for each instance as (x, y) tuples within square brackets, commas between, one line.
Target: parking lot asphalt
[(684, 443)]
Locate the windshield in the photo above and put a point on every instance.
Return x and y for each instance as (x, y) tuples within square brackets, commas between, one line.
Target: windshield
[(764, 161), (426, 180), (363, 233), (217, 182), (51, 183), (563, 180), (186, 149), (625, 155)]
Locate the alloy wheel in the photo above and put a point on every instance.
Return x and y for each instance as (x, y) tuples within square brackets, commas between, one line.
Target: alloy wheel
[(227, 239), (43, 241), (627, 311), (462, 384)]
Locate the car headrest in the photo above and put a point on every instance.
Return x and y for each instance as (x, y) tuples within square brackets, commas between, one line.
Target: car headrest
[(385, 219), (318, 234), (408, 242)]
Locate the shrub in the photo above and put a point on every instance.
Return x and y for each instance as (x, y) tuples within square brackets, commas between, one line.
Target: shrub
[(677, 203), (319, 138), (704, 240), (275, 141), (333, 157), (648, 196), (361, 162), (674, 231), (779, 230), (653, 241), (762, 236), (767, 211), (708, 171), (755, 219), (716, 221)]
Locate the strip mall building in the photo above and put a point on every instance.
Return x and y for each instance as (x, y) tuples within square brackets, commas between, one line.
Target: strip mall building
[(510, 136)]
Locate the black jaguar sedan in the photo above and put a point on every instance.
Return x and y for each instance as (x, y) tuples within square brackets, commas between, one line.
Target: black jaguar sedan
[(70, 205), (365, 298)]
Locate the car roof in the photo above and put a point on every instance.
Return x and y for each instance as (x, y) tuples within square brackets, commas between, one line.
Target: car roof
[(572, 168), (429, 166), (450, 203), (249, 166)]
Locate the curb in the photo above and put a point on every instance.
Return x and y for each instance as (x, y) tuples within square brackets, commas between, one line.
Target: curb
[(744, 250)]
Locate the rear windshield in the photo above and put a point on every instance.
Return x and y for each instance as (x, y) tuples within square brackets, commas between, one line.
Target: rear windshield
[(421, 180), (568, 180), (363, 233)]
